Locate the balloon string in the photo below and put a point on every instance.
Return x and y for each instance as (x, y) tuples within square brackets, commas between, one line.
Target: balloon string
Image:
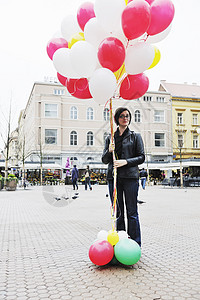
[(114, 196)]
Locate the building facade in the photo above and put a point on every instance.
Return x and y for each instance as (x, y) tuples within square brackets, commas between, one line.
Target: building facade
[(55, 126), (186, 119)]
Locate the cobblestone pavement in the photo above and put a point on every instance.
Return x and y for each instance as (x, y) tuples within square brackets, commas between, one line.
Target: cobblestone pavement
[(45, 236)]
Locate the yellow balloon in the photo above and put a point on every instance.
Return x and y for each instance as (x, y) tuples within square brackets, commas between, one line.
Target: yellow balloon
[(126, 1), (113, 237), (79, 36), (156, 58), (118, 74)]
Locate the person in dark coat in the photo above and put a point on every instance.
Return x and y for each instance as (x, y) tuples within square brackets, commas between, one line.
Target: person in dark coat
[(75, 177), (129, 152), (87, 178), (143, 177)]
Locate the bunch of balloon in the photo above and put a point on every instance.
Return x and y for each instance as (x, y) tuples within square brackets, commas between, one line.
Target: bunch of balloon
[(114, 247), (108, 44)]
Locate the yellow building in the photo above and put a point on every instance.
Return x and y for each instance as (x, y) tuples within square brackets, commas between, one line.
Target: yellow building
[(185, 119)]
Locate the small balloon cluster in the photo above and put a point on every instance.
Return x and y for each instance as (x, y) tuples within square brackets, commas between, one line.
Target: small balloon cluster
[(106, 47), (114, 247)]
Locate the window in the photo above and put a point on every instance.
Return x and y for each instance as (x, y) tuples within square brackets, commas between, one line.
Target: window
[(159, 116), (160, 99), (159, 139), (50, 136), (58, 92), (194, 119), (180, 118), (51, 110), (137, 116), (106, 114), (90, 138), (73, 158), (73, 113), (90, 114), (105, 136), (73, 138), (147, 98), (180, 140), (90, 158), (195, 141)]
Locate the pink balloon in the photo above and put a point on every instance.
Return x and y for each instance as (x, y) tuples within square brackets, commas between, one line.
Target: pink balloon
[(61, 79), (134, 86), (149, 1), (55, 44), (101, 252), (111, 53), (136, 19), (162, 14), (85, 13), (78, 88)]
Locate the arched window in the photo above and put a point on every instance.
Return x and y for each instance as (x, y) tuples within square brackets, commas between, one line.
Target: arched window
[(73, 113), (73, 138), (90, 113), (90, 138), (105, 136), (106, 114), (137, 116)]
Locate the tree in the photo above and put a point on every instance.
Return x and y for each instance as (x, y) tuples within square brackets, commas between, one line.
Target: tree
[(6, 141)]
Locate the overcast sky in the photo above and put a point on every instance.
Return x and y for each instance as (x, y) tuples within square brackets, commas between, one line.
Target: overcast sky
[(27, 25)]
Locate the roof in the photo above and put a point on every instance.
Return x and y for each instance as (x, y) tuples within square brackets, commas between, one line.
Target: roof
[(181, 90)]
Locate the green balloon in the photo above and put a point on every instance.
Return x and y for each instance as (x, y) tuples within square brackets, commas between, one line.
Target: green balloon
[(127, 252)]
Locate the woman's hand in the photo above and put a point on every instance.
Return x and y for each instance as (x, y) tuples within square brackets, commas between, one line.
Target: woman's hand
[(111, 147), (120, 163)]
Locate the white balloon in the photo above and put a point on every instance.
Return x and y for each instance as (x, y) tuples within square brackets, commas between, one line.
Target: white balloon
[(83, 58), (69, 26), (139, 57), (119, 34), (108, 13), (198, 130), (122, 235), (62, 63), (94, 32), (102, 85), (160, 36), (102, 235)]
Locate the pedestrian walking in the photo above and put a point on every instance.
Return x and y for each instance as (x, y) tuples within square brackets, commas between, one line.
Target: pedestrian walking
[(143, 178), (129, 152), (87, 178), (74, 177)]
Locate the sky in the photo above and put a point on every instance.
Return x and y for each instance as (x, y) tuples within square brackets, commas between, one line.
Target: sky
[(26, 26)]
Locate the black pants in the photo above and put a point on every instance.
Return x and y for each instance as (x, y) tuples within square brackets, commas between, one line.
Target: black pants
[(127, 192), (74, 182)]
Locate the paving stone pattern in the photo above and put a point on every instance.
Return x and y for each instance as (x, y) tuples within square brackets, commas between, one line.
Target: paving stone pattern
[(45, 236)]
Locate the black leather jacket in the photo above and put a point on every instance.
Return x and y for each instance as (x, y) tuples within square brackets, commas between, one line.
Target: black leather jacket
[(132, 151)]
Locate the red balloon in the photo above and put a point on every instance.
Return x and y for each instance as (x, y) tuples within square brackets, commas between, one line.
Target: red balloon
[(78, 88), (85, 13), (162, 14), (55, 44), (101, 252), (62, 79), (111, 53), (134, 86), (136, 19)]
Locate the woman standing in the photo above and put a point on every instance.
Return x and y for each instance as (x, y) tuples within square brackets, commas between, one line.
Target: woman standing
[(129, 152)]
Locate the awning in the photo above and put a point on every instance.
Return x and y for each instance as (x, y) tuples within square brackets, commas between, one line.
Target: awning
[(44, 166), (169, 166)]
